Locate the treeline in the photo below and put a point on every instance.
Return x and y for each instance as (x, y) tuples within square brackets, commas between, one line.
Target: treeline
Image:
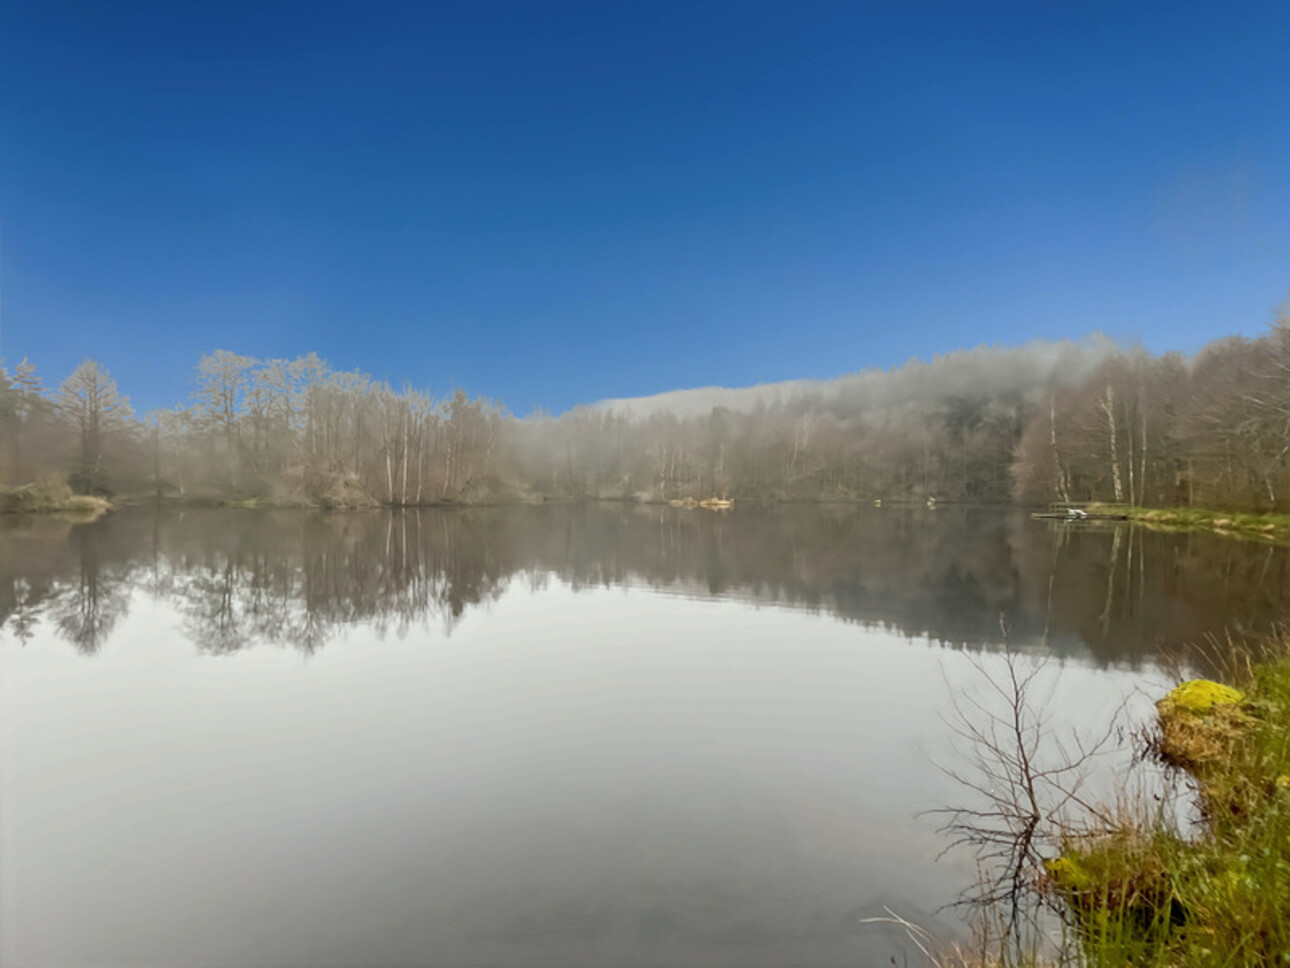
[(1212, 431), (1046, 422), (292, 430)]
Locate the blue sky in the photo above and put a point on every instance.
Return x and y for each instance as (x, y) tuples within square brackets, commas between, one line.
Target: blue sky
[(552, 203)]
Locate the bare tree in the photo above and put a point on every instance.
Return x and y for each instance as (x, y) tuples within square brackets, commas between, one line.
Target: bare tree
[(89, 402), (1024, 782), (28, 398)]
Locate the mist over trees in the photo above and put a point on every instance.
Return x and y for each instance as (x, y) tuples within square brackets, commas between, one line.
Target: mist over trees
[(1213, 431), (1048, 421)]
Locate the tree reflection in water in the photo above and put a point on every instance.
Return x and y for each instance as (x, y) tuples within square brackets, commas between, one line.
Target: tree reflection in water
[(238, 578)]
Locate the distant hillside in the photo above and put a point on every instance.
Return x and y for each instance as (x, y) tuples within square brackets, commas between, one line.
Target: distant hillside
[(984, 370)]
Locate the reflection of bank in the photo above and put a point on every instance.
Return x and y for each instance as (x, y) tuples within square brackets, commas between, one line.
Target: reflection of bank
[(299, 577), (1083, 511), (711, 503)]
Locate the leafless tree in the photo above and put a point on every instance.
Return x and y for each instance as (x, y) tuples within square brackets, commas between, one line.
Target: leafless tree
[(89, 402), (1024, 782)]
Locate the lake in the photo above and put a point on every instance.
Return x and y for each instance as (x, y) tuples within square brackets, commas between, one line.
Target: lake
[(588, 735)]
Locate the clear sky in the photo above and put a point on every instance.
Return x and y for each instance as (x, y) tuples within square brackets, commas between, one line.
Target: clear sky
[(551, 203)]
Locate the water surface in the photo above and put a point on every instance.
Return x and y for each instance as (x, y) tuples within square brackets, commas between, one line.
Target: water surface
[(591, 735)]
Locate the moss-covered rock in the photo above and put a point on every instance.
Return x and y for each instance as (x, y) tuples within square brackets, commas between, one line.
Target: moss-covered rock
[(1198, 697), (1118, 884), (1200, 721)]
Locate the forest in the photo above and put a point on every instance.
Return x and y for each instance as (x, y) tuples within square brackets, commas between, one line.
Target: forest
[(1086, 421)]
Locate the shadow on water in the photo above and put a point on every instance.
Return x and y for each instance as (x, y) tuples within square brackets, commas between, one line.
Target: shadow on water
[(1110, 594)]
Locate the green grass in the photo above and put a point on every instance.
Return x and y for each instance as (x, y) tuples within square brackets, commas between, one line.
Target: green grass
[(1270, 525), (1148, 894)]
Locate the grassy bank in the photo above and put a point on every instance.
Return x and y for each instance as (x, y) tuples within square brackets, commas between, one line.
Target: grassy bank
[(51, 497), (1151, 892), (1266, 525)]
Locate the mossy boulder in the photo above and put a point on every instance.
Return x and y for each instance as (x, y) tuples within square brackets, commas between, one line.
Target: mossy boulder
[(1198, 697), (1070, 873), (1118, 884), (1200, 721)]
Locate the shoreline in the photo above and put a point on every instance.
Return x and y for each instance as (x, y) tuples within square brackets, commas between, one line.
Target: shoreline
[(1247, 523), (1149, 888), (55, 498), (43, 497)]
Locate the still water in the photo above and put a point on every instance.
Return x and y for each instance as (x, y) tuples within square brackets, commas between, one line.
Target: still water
[(519, 736)]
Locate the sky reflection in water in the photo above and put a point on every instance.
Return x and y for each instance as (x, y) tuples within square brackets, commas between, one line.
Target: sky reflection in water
[(494, 742)]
